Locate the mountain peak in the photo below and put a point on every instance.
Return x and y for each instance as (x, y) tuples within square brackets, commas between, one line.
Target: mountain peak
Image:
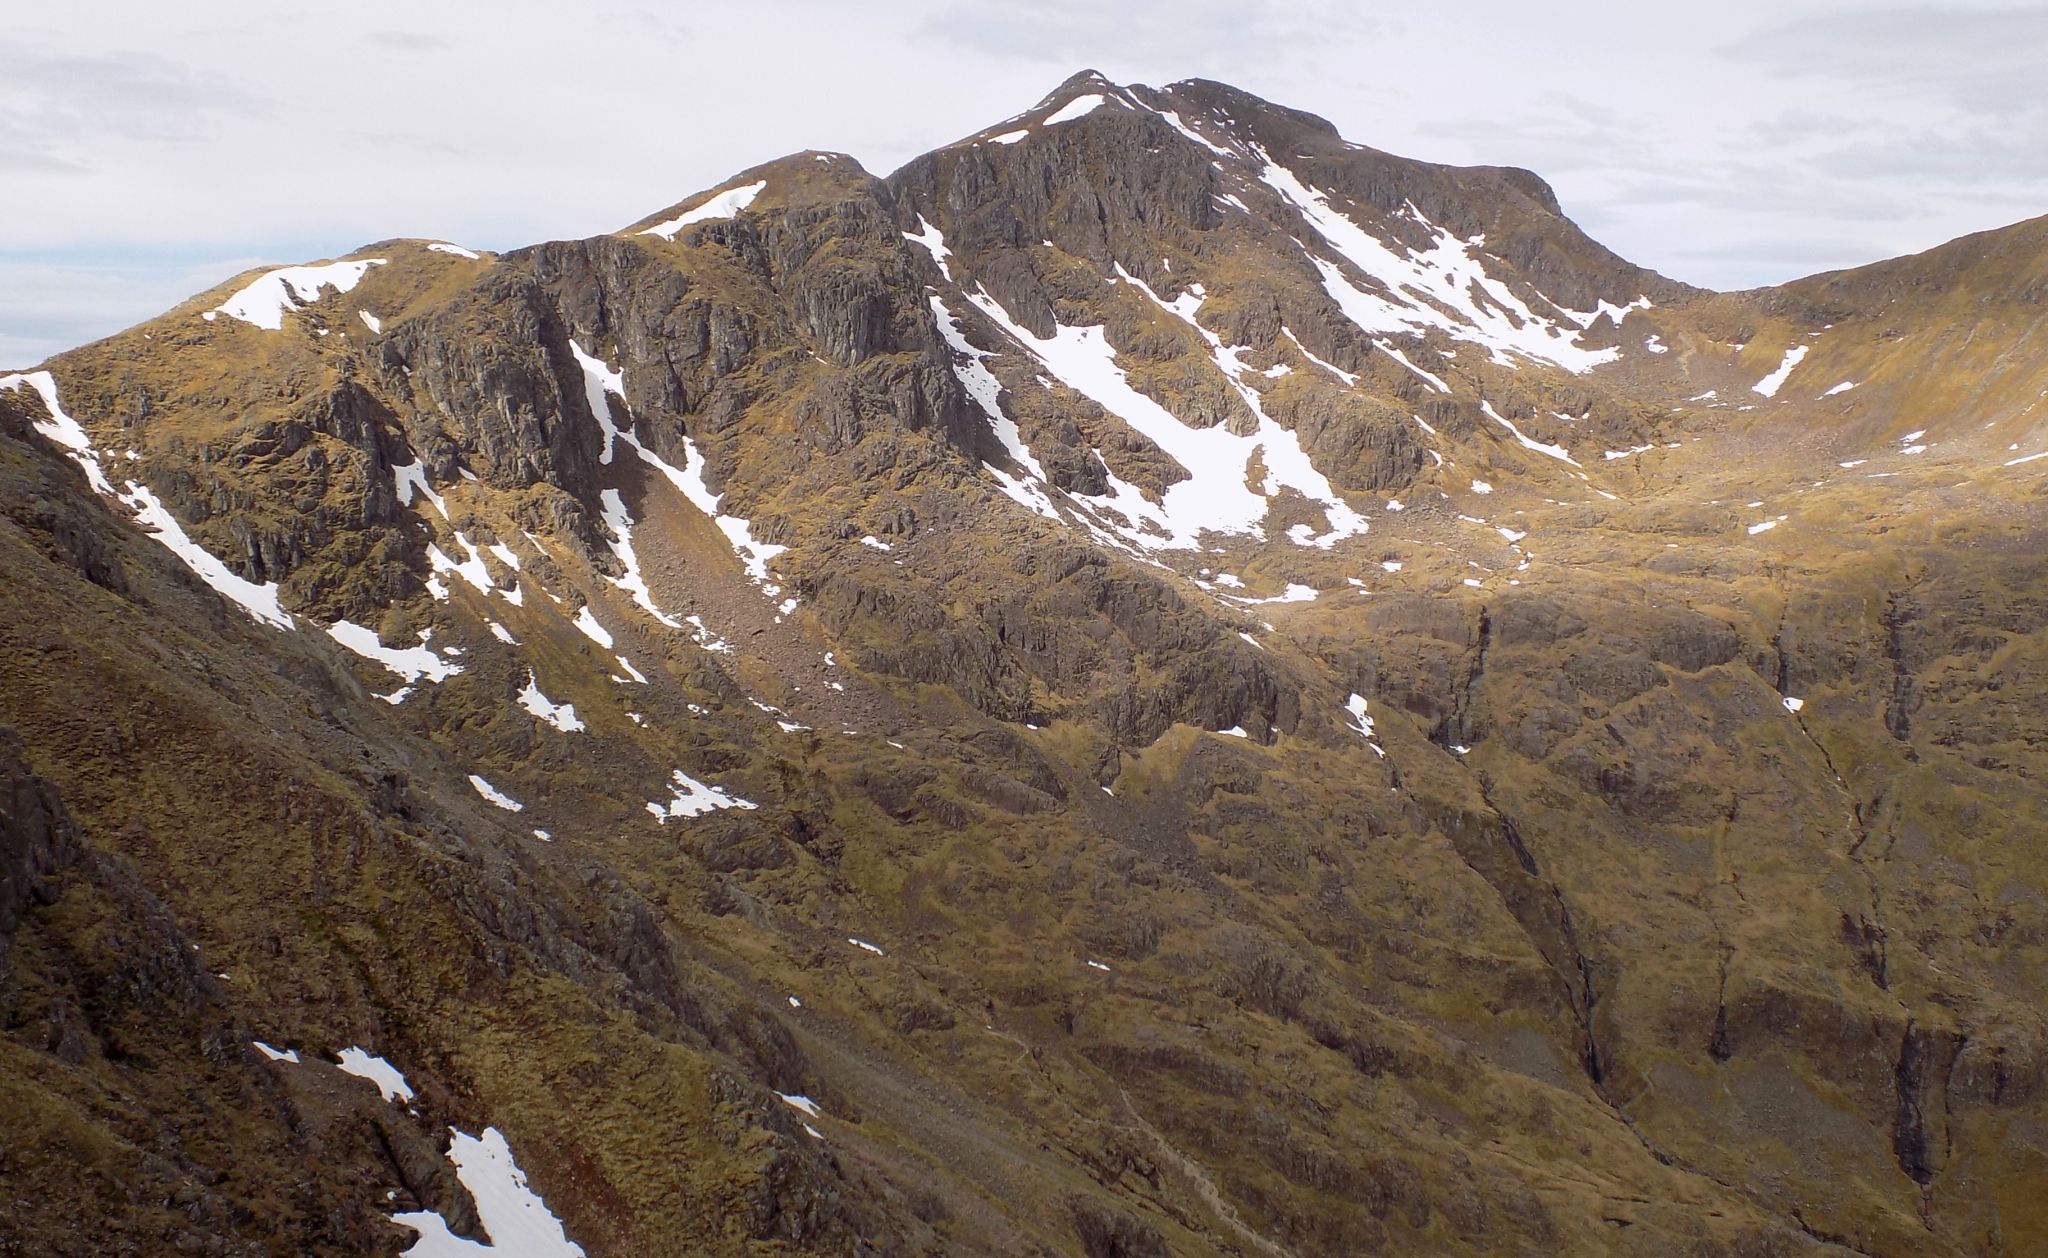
[(1203, 110), (1079, 83)]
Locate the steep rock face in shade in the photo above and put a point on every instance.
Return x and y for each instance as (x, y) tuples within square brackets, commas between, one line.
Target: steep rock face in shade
[(1155, 681)]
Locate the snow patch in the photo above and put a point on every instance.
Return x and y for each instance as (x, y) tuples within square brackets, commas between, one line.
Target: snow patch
[(705, 638), (494, 795), (1555, 452), (1357, 706), (410, 663), (1215, 497), (1173, 120), (560, 715), (692, 798), (363, 1064), (1404, 360), (591, 629), (620, 525), (1079, 107), (1444, 287), (265, 300), (59, 427), (411, 479), (473, 569), (1769, 385), (600, 380), (1287, 464), (1363, 722), (518, 1222), (723, 205), (933, 241), (1348, 377), (1029, 490), (1294, 593), (260, 601)]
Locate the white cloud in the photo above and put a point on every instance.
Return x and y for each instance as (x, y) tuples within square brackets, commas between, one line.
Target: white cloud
[(53, 302), (131, 133)]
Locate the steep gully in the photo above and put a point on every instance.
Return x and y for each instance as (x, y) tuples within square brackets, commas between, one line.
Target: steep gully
[(1912, 1143)]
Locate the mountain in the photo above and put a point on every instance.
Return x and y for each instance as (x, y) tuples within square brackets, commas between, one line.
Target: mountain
[(1154, 682)]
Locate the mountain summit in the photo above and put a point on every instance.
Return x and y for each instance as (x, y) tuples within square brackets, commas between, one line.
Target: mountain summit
[(1156, 681)]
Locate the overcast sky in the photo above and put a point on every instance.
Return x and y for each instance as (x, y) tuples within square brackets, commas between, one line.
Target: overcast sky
[(149, 150)]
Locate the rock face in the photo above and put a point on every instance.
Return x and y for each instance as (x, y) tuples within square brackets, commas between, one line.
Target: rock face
[(37, 843), (1156, 681)]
